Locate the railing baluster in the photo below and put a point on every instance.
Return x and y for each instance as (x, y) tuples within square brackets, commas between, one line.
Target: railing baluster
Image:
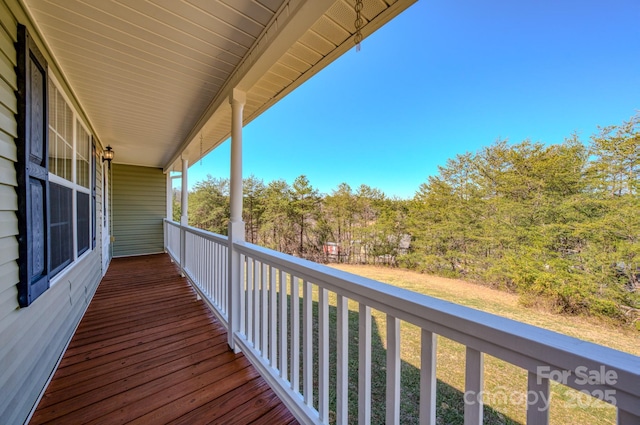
[(216, 282), (307, 341), (249, 285), (206, 270), (243, 306), (219, 281), (295, 334), (225, 288), (191, 257), (474, 377), (203, 270), (188, 253), (256, 304), (265, 311), (538, 389), (273, 321), (182, 248), (364, 365), (428, 355), (209, 269), (200, 254), (197, 257), (342, 366), (283, 326), (192, 260), (223, 278), (323, 355), (393, 370)]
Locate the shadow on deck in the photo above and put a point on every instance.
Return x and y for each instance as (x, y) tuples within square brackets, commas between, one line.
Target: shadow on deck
[(147, 351)]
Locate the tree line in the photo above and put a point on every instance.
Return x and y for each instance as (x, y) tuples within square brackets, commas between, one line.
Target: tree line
[(558, 224)]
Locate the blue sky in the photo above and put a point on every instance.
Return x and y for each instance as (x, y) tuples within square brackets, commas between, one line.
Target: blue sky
[(444, 78)]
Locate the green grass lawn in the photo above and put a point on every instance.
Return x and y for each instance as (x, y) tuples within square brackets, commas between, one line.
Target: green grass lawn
[(505, 384)]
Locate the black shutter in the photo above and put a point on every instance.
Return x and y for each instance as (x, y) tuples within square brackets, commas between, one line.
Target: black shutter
[(32, 169), (92, 185)]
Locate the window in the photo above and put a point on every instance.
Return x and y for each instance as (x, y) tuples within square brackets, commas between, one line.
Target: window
[(70, 174), (83, 174), (82, 156), (55, 172)]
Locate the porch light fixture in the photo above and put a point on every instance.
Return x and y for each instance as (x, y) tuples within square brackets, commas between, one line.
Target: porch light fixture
[(107, 155)]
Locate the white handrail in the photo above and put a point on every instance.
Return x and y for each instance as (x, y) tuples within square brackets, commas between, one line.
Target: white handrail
[(272, 327)]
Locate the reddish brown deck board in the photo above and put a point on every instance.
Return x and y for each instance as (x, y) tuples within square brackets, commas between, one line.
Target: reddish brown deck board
[(147, 351)]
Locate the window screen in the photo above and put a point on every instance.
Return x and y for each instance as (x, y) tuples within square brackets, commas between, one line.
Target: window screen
[(61, 231), (82, 207)]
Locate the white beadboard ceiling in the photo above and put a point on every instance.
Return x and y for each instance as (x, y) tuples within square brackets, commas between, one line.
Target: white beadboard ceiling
[(154, 76)]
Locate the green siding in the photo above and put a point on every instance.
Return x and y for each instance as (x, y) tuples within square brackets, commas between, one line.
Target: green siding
[(33, 338), (8, 181), (139, 206)]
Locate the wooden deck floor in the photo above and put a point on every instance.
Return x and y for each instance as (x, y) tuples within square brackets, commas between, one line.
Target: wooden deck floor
[(147, 352)]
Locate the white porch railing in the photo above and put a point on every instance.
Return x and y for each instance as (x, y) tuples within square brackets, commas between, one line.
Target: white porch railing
[(204, 264), (277, 335), (172, 239)]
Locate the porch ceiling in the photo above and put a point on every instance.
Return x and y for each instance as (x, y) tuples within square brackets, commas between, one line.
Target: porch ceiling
[(154, 76)]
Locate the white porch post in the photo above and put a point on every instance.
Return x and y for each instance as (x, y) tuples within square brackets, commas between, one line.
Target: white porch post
[(184, 214), (184, 204), (169, 196), (236, 225), (169, 211)]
